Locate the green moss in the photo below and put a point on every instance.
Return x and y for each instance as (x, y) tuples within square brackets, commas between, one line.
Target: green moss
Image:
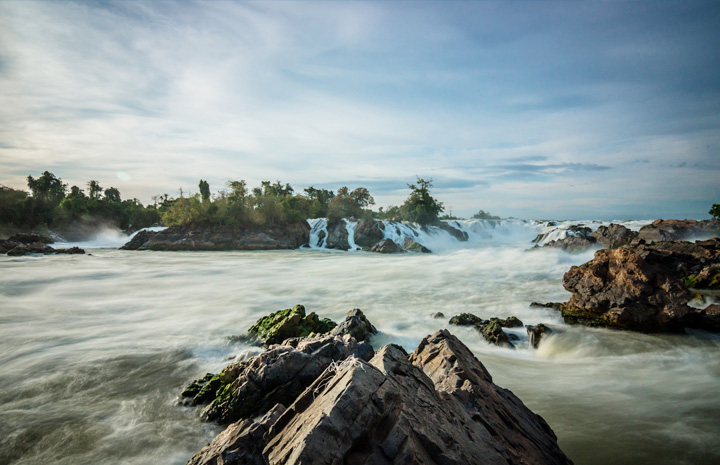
[(578, 316), (466, 319), (289, 323)]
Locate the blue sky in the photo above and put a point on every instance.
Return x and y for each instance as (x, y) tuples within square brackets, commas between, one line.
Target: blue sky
[(528, 109)]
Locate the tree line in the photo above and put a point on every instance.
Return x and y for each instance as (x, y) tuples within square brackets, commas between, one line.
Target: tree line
[(50, 203)]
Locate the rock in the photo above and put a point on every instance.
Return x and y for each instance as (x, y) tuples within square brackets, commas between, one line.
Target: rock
[(278, 375), (337, 236), (386, 246), (289, 323), (493, 333), (466, 319), (511, 322), (553, 305), (31, 238), (356, 325), (138, 240), (572, 243), (640, 287), (674, 230), (223, 237), (30, 248), (613, 236), (438, 315), (411, 246), (368, 232), (241, 443), (458, 234), (707, 319), (71, 251), (536, 333)]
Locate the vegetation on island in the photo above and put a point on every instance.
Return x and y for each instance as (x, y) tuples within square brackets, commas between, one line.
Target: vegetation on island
[(49, 203), (715, 211)]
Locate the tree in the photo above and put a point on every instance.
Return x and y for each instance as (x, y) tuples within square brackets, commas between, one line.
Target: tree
[(420, 207), (483, 215), (346, 204), (204, 191), (47, 188), (94, 190), (715, 211), (112, 194)]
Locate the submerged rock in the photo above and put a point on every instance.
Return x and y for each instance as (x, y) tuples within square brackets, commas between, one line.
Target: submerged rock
[(411, 246), (386, 246), (458, 234), (289, 323), (536, 333), (493, 333), (439, 405)]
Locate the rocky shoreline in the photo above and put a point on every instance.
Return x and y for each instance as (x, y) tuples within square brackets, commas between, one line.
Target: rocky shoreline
[(26, 244), (330, 398)]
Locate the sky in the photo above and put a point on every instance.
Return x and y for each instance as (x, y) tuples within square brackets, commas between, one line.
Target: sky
[(565, 110)]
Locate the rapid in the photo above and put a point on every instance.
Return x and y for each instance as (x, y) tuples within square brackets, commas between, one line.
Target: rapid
[(94, 349)]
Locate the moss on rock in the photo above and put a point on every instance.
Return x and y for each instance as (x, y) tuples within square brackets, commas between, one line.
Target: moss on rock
[(288, 323)]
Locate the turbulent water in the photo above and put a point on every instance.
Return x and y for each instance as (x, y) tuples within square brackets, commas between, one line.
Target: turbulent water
[(95, 348)]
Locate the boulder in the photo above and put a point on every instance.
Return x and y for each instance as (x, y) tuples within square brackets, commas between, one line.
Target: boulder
[(640, 287), (466, 319), (356, 325), (458, 234), (288, 323), (30, 248), (572, 243), (386, 246), (368, 232), (337, 236), (71, 251), (233, 237), (436, 406), (493, 333), (613, 236), (138, 240), (411, 246), (438, 315), (675, 230)]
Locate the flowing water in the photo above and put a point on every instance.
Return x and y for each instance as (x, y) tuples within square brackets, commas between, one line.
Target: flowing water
[(95, 348)]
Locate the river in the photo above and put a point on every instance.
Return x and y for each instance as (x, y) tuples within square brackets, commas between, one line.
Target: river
[(94, 349)]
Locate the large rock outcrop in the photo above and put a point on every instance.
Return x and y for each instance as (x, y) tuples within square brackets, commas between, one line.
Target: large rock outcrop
[(27, 244), (580, 238), (643, 287), (337, 236), (221, 237), (457, 233), (437, 406), (676, 230), (368, 232), (613, 236)]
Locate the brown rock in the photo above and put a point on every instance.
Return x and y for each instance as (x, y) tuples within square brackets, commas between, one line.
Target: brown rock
[(674, 230), (613, 236), (337, 236), (386, 246)]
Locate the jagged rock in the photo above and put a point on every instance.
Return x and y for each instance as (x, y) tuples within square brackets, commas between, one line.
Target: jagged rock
[(466, 319), (277, 375), (639, 287), (222, 237), (411, 246), (31, 238), (458, 234), (536, 333), (675, 230), (289, 323), (139, 240), (368, 232), (356, 325), (613, 236), (386, 246), (437, 406), (337, 236)]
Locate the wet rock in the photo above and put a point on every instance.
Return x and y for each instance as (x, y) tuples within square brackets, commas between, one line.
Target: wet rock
[(368, 232), (337, 236), (493, 333), (30, 248), (289, 323), (639, 287), (356, 325), (536, 333), (675, 230), (613, 236), (553, 305), (411, 246), (572, 244), (511, 322), (71, 251), (223, 237), (31, 238), (138, 240), (458, 234), (466, 319), (386, 246), (277, 376), (438, 315)]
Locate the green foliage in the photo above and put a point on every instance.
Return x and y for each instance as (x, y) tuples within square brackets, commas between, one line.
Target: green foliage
[(348, 204), (483, 215), (715, 211), (420, 207), (94, 190), (204, 190), (47, 188), (112, 194), (291, 322)]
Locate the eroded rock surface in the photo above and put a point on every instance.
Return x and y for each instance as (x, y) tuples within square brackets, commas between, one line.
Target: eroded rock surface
[(437, 406), (676, 230)]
